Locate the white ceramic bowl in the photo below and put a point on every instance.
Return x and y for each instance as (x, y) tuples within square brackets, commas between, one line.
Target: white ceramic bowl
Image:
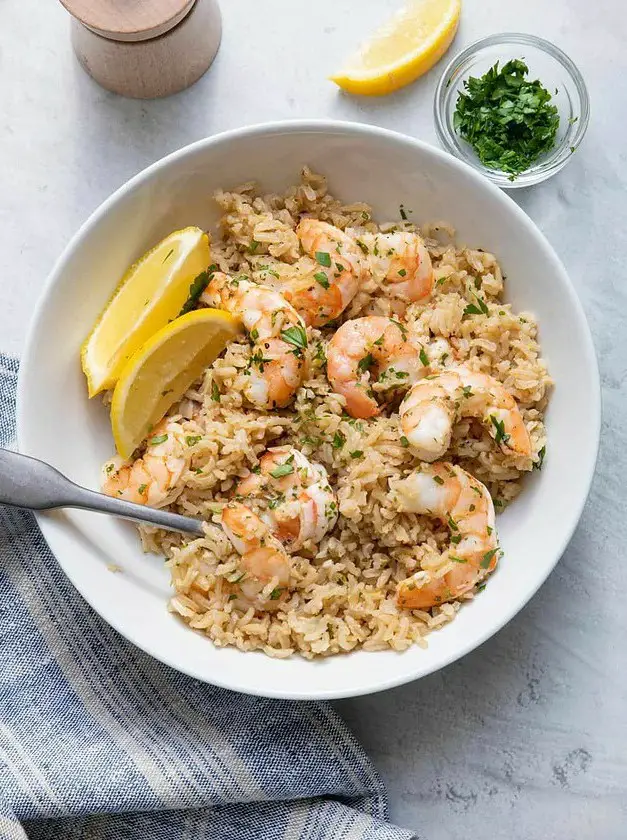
[(57, 423)]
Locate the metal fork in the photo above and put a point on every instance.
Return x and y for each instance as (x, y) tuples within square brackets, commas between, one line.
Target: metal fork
[(26, 482)]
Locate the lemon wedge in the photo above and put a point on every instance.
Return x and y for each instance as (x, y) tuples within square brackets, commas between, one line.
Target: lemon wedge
[(163, 368), (150, 294), (405, 47)]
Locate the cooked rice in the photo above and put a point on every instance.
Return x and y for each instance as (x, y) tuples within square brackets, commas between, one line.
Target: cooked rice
[(343, 594)]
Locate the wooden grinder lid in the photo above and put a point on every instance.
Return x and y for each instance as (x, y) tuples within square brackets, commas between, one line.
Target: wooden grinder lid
[(129, 20)]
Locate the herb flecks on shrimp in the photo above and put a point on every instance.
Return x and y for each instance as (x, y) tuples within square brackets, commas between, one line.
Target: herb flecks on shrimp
[(321, 295), (450, 494), (277, 335), (265, 567), (368, 349), (303, 506), (152, 478), (429, 410), (402, 261)]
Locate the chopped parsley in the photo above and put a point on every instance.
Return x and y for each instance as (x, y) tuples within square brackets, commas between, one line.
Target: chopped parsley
[(321, 277), (259, 359), (499, 425), (423, 357), (363, 246), (110, 467), (296, 336), (281, 470), (467, 391), (507, 118), (254, 334), (402, 272), (155, 441), (480, 308), (253, 246), (142, 489), (401, 327), (215, 392), (438, 479), (487, 558), (404, 441), (357, 453), (276, 593), (457, 559), (338, 440), (274, 503), (320, 355), (452, 524), (366, 363), (311, 440), (268, 270), (541, 456), (323, 258), (192, 440), (402, 212), (379, 341), (340, 268), (197, 288)]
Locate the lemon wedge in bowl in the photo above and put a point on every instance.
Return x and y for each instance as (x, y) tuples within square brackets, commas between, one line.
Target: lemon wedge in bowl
[(406, 47), (163, 368), (151, 293)]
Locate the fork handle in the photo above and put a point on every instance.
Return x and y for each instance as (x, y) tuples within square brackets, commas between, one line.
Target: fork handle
[(26, 482)]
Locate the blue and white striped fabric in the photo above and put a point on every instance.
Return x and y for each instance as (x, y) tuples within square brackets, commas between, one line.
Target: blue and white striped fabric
[(99, 741)]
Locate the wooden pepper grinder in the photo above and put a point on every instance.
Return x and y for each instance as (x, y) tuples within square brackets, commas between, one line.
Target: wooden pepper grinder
[(145, 48)]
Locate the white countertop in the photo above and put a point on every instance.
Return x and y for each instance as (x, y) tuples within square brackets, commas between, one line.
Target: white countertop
[(525, 738)]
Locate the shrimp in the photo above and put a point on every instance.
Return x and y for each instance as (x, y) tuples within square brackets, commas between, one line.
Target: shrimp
[(265, 566), (302, 505), (371, 349), (277, 334), (149, 480), (452, 495), (402, 260), (432, 406), (323, 294)]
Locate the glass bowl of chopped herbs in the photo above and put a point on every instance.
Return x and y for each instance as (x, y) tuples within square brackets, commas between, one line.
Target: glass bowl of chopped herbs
[(513, 106)]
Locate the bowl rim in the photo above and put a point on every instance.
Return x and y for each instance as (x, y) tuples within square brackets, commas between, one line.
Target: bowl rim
[(28, 361), (559, 156)]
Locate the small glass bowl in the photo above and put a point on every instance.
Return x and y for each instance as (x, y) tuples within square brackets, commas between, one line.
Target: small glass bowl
[(547, 63)]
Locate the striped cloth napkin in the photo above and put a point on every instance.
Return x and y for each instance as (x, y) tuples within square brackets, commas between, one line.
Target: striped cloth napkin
[(100, 742)]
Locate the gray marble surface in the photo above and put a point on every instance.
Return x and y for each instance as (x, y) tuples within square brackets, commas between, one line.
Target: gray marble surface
[(525, 738)]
